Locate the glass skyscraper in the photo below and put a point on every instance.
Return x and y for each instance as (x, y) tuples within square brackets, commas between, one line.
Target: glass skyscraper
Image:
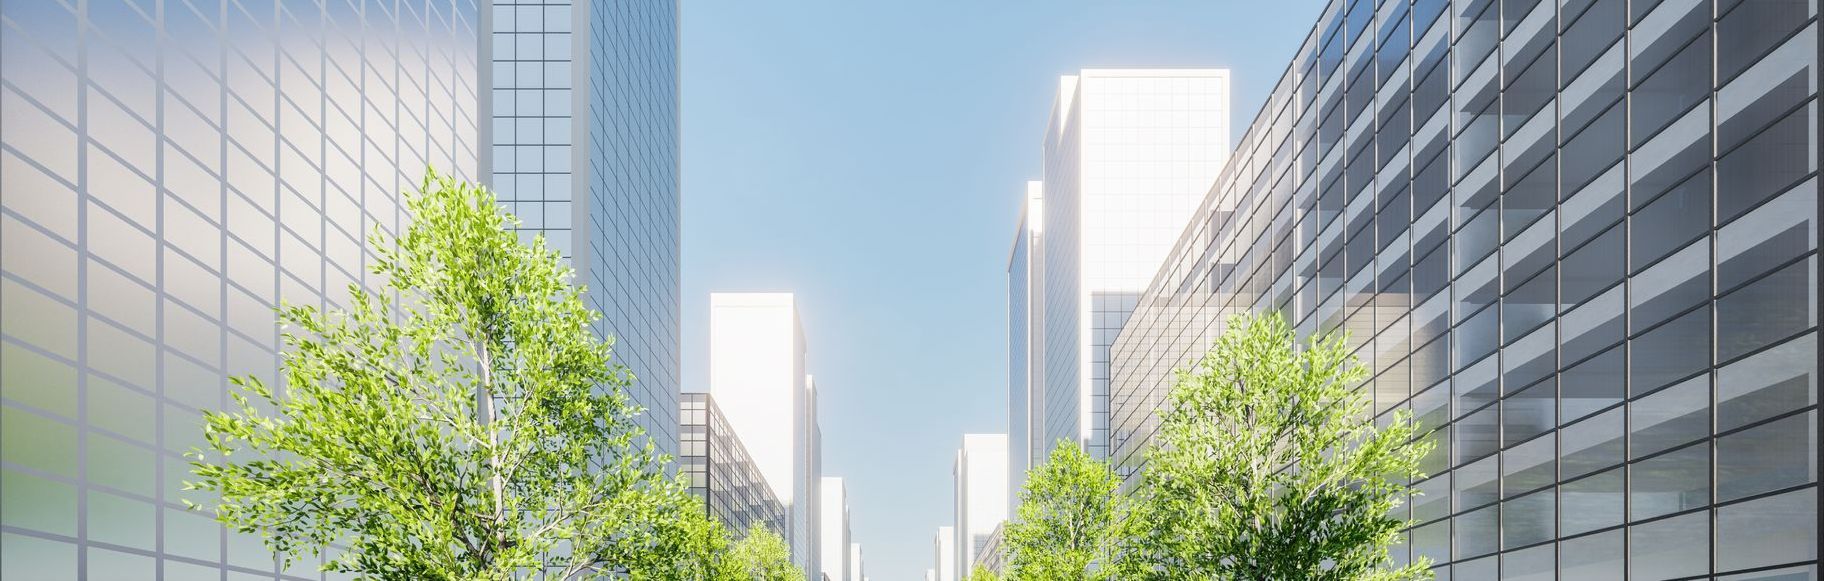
[(584, 149), (168, 173), (1127, 155), (721, 472), (1577, 239), (170, 170)]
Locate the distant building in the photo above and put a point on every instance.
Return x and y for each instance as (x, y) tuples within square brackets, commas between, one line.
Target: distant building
[(721, 472), (993, 555), (1128, 154), (856, 571), (757, 375), (981, 495), (834, 513), (944, 547)]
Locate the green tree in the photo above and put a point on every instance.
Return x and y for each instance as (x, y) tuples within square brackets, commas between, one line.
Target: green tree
[(1069, 519), (463, 422), (1268, 466), (762, 555), (982, 573)]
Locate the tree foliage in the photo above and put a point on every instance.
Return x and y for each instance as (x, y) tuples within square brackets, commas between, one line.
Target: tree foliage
[(762, 555), (1268, 466), (1069, 519), (982, 573), (463, 422)]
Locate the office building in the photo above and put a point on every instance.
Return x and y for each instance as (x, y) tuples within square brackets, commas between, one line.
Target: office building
[(856, 571), (944, 554), (1578, 240), (757, 376), (980, 475), (993, 554), (1127, 155), (721, 472), (167, 176), (1022, 277), (834, 529), (583, 134)]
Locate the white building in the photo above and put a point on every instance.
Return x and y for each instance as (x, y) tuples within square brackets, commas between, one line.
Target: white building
[(1128, 156), (945, 548), (756, 372), (835, 530), (981, 495), (856, 571)]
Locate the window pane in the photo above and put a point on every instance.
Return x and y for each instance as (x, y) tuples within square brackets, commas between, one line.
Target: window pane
[(1592, 444), (1592, 558), (1767, 164), (1670, 548), (1768, 383), (1670, 417), (1528, 519), (1529, 466), (1669, 483), (1766, 458), (1594, 384), (1767, 237), (1767, 531), (1671, 352), (1534, 564), (1477, 533), (1592, 503), (1767, 310)]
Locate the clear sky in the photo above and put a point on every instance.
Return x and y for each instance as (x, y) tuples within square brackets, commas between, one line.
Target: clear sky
[(870, 156)]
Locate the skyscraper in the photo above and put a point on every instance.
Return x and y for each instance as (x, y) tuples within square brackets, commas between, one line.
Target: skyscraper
[(1127, 155), (1577, 240), (167, 176), (835, 529), (1024, 414), (856, 571), (757, 374), (981, 495), (720, 470), (583, 134), (943, 548)]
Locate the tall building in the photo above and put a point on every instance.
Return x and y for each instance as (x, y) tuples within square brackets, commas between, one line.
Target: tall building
[(720, 470), (1578, 240), (756, 374), (835, 529), (944, 554), (981, 495), (1128, 153), (583, 128), (856, 571), (1024, 414), (168, 173)]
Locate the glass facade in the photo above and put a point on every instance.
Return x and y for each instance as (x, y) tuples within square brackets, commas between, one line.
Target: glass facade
[(1127, 156), (1577, 239), (584, 136), (715, 460), (168, 172)]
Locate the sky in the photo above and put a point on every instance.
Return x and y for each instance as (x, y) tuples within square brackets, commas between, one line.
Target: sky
[(871, 157)]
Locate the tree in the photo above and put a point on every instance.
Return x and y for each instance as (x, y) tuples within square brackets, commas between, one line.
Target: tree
[(1069, 519), (463, 422), (1268, 466), (762, 555), (982, 573)]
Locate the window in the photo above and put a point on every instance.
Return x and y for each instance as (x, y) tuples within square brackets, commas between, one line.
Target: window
[(1767, 164), (1669, 222), (1670, 417), (1670, 548), (1594, 384), (1592, 503), (1750, 29), (1671, 352), (1768, 383), (1529, 519), (1767, 531), (1591, 557), (1672, 482), (1767, 457), (1591, 445), (1594, 267), (1775, 307)]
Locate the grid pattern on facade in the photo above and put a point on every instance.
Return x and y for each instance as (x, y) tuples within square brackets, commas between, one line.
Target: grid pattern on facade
[(714, 459), (168, 173), (1576, 239), (585, 151), (633, 246)]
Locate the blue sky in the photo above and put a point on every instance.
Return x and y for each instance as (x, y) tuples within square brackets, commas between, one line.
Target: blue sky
[(870, 156)]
